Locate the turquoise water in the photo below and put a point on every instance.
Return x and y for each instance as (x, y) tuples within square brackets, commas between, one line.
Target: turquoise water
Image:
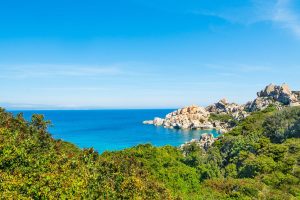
[(113, 129)]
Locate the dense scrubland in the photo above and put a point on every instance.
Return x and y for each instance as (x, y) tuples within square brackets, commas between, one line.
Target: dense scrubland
[(258, 159)]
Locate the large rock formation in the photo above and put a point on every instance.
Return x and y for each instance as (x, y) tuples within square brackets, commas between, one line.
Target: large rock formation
[(191, 117), (282, 94), (224, 107), (196, 117), (276, 95), (261, 103), (297, 94)]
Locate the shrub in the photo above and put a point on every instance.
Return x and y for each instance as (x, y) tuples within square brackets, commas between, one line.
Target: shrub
[(283, 125)]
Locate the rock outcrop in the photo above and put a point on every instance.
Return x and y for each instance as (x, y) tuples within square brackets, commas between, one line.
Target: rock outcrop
[(205, 141), (225, 114), (191, 117), (148, 122), (224, 107), (297, 93), (296, 103), (273, 94), (261, 103), (282, 94), (196, 117)]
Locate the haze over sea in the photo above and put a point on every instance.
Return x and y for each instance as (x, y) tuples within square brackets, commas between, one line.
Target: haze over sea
[(109, 130)]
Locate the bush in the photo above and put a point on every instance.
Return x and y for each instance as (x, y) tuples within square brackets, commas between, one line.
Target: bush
[(283, 125)]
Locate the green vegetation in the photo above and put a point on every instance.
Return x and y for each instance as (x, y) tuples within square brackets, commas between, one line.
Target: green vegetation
[(221, 117), (252, 156), (226, 118), (259, 159)]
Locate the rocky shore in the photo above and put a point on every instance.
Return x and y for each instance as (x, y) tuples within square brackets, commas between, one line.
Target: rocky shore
[(192, 117), (224, 115), (197, 117), (211, 117)]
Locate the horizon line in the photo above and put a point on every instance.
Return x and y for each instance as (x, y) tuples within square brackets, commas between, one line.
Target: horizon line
[(81, 109)]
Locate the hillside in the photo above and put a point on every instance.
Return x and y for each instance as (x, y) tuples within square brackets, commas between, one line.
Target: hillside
[(258, 159)]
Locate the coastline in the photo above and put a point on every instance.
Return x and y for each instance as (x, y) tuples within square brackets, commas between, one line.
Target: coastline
[(113, 130)]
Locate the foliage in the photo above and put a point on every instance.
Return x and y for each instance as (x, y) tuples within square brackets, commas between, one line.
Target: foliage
[(283, 125), (226, 118), (263, 149), (259, 159), (221, 117)]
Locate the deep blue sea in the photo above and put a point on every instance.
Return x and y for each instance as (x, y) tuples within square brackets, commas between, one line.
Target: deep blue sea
[(109, 130)]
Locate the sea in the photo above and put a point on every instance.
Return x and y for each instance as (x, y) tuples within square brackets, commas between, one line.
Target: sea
[(111, 130)]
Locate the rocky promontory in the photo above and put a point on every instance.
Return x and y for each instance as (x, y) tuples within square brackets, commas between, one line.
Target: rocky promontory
[(191, 117), (223, 115), (197, 117), (273, 94)]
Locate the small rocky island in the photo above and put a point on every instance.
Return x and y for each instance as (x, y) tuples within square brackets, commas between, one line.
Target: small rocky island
[(223, 115)]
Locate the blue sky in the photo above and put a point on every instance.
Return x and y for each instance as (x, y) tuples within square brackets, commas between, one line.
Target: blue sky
[(72, 54)]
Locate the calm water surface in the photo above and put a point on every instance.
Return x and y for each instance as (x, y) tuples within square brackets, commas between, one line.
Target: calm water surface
[(113, 129)]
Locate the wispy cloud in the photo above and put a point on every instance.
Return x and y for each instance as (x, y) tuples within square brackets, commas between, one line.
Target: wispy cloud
[(233, 15), (76, 89), (28, 106), (253, 68), (280, 12), (53, 70), (239, 68), (286, 16)]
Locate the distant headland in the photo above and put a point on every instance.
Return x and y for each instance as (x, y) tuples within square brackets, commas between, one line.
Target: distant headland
[(222, 115)]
